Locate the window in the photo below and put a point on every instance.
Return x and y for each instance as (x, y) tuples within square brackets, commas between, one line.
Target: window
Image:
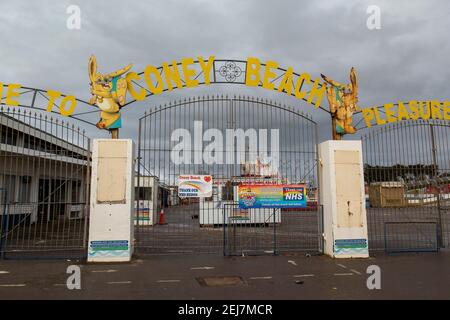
[(9, 183), (143, 193), (227, 190), (28, 141), (9, 136), (24, 189), (76, 191), (214, 193)]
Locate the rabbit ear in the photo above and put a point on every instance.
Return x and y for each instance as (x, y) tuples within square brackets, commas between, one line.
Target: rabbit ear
[(353, 80), (92, 67), (331, 81), (120, 71), (353, 75)]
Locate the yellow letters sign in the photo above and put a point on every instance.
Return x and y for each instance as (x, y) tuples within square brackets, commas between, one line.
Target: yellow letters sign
[(190, 72), (413, 110)]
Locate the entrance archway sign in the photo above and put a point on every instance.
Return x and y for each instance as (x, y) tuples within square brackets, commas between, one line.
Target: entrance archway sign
[(190, 72), (252, 72), (15, 95)]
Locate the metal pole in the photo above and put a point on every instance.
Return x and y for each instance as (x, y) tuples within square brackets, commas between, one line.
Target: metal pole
[(224, 230), (3, 224), (433, 143), (138, 161), (334, 134), (319, 202), (275, 231), (114, 133), (87, 192)]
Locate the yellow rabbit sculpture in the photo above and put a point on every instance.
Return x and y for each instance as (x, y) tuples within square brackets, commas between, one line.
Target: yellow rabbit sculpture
[(343, 101), (109, 94)]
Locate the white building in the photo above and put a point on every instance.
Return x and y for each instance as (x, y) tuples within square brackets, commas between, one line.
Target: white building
[(42, 176), (146, 200)]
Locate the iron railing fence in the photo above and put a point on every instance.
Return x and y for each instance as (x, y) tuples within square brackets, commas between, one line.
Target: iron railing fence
[(194, 137), (44, 186), (407, 178)]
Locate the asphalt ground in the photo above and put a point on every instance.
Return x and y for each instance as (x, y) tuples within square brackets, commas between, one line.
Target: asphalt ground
[(405, 276)]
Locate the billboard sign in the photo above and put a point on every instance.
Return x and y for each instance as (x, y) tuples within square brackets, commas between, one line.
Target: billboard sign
[(194, 186), (272, 196)]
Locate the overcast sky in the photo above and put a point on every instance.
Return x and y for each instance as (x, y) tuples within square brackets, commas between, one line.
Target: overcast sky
[(406, 59)]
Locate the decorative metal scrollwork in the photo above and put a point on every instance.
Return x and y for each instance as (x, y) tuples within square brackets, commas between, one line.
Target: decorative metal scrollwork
[(230, 71)]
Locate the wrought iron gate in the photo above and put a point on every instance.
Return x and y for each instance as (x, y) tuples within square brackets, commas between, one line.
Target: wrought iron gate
[(44, 186), (407, 177), (279, 147), (249, 237)]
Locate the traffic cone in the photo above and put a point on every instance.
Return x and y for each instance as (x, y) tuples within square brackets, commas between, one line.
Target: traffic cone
[(162, 219)]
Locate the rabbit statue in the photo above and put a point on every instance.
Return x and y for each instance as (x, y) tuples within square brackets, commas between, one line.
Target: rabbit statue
[(343, 101), (109, 94)]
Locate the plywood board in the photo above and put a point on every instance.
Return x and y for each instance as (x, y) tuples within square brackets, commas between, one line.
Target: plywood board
[(111, 172), (348, 189)]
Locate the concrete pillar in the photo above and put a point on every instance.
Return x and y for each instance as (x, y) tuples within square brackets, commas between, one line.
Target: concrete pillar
[(343, 199), (111, 224)]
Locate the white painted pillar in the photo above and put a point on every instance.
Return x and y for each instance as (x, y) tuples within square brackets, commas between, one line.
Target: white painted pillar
[(343, 199), (111, 224)]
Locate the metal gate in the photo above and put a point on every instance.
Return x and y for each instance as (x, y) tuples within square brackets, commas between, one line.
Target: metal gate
[(407, 177), (44, 186), (236, 140), (238, 240)]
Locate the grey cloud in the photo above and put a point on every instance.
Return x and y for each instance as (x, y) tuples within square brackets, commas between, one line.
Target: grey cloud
[(407, 58)]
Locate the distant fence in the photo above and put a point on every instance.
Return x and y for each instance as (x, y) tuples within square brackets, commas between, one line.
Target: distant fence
[(44, 186), (407, 180), (399, 238)]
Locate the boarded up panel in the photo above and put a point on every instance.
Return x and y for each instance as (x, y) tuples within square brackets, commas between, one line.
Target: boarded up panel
[(111, 171), (348, 189)]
